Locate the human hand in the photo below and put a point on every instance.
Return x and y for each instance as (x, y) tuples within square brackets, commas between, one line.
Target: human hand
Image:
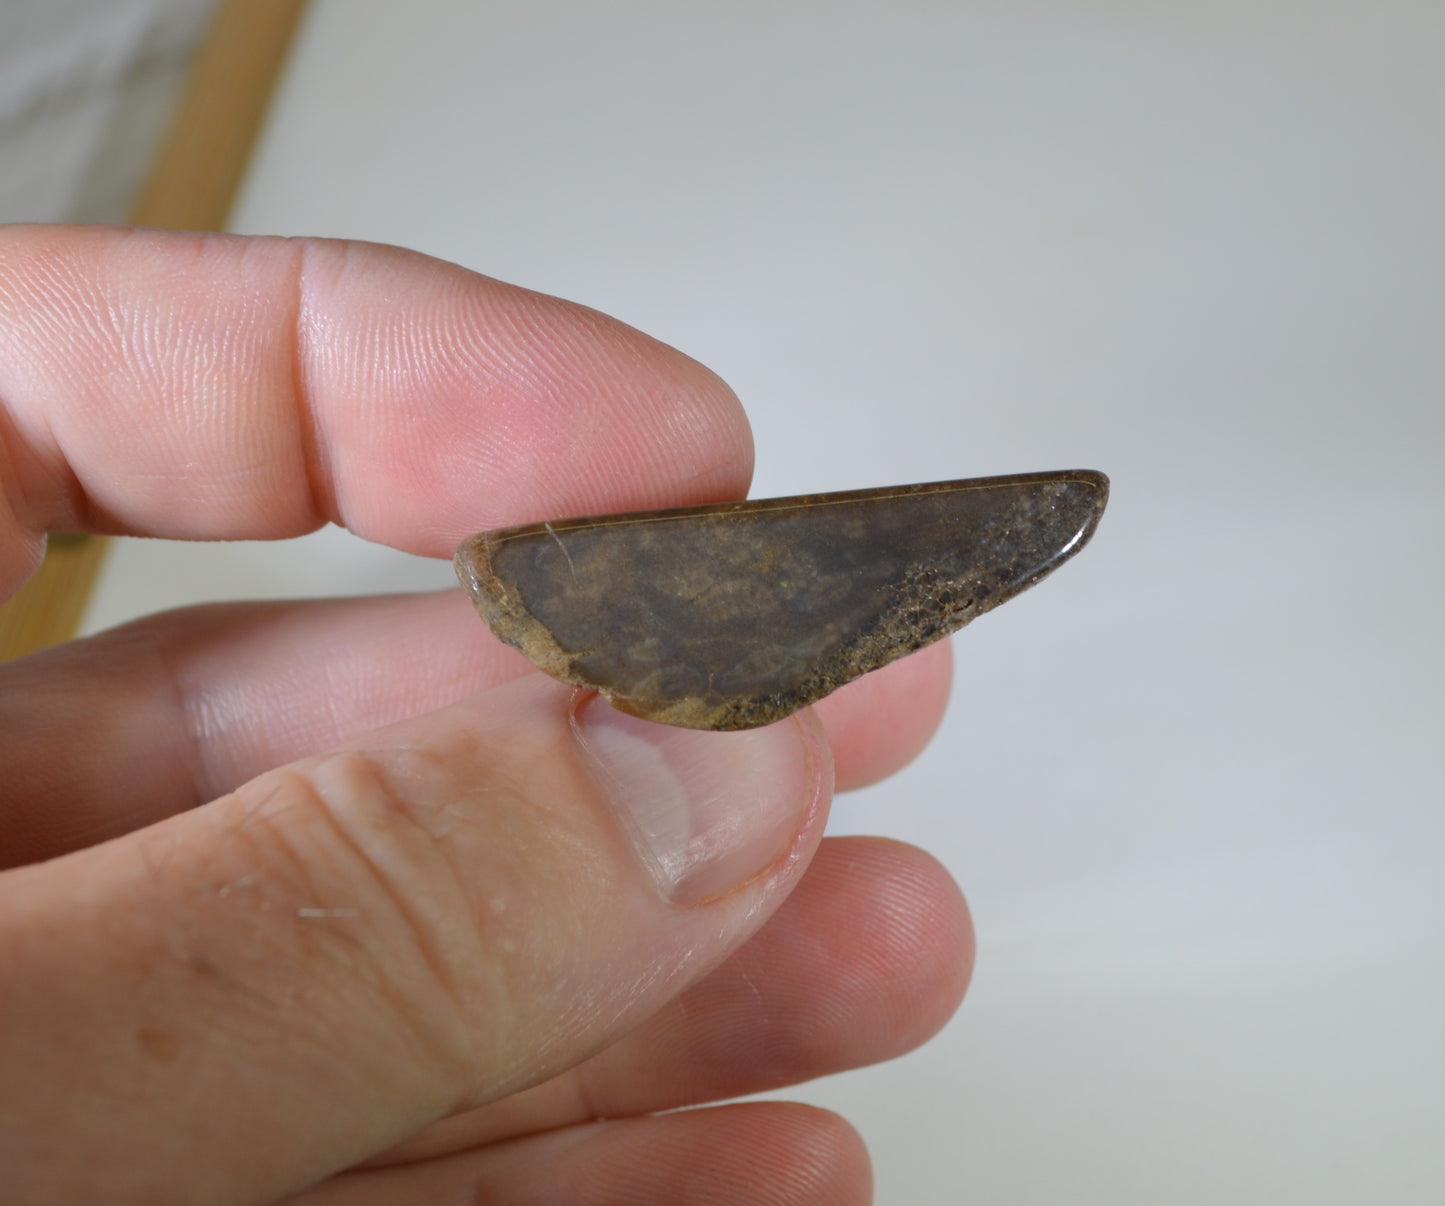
[(338, 898)]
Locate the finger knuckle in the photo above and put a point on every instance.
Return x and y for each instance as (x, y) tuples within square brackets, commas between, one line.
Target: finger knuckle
[(376, 893)]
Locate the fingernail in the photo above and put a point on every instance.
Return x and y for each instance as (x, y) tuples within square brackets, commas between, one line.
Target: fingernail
[(707, 811)]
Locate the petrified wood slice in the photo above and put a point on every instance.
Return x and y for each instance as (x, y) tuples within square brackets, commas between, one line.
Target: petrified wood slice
[(734, 615)]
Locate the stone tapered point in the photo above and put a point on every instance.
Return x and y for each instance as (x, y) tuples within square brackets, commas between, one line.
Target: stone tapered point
[(734, 615)]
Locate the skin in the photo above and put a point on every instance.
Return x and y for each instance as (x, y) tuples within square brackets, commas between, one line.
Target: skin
[(177, 792)]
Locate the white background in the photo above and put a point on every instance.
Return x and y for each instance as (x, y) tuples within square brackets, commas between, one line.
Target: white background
[(86, 88), (1192, 784)]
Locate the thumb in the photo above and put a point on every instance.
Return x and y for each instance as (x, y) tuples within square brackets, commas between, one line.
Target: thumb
[(234, 1003)]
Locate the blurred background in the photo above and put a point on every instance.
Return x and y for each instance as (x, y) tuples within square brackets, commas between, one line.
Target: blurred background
[(86, 90), (1192, 785)]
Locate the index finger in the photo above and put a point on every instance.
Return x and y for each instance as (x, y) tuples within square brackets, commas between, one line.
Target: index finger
[(218, 387)]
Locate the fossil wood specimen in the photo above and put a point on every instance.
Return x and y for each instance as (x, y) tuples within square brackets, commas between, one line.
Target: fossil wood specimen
[(734, 615)]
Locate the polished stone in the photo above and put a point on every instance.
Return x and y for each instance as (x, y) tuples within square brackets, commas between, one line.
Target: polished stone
[(734, 615)]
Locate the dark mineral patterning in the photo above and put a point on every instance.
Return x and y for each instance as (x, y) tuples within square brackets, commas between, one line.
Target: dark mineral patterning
[(734, 615)]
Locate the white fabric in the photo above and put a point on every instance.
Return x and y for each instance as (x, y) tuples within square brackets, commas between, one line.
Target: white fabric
[(85, 89)]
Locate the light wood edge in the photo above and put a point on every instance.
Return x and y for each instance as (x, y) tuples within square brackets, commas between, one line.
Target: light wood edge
[(191, 186), (204, 157)]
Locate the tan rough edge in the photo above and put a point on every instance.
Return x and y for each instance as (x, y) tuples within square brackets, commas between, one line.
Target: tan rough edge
[(191, 186)]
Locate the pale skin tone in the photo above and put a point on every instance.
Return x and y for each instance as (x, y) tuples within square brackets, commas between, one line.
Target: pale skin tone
[(320, 902)]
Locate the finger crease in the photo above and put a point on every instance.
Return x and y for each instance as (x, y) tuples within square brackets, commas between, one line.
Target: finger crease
[(421, 930), (320, 492), (588, 1104), (191, 708)]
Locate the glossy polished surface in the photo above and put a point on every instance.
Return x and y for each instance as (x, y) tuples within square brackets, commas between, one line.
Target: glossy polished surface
[(736, 615)]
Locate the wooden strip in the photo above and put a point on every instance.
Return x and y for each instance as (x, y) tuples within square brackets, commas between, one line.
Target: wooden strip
[(49, 607), (200, 167), (191, 186)]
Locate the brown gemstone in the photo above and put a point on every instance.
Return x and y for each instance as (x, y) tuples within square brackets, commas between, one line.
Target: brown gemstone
[(734, 615)]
